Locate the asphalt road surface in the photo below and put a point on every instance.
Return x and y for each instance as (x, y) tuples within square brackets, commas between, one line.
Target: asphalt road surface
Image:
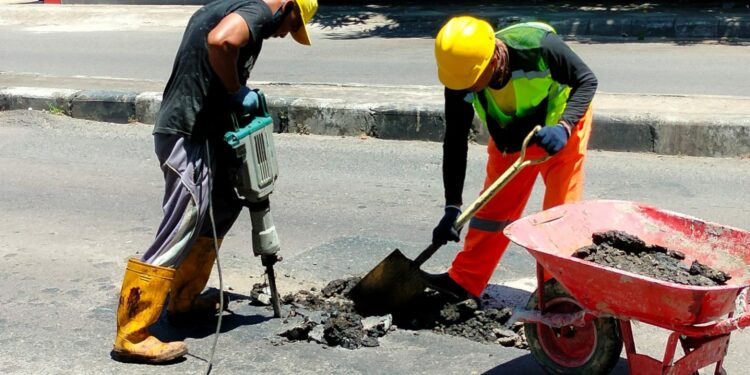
[(656, 68), (79, 197)]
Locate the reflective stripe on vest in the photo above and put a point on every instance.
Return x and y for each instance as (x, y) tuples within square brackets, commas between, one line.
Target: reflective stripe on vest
[(530, 87)]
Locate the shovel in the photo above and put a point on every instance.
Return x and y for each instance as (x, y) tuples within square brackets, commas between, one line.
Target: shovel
[(396, 280)]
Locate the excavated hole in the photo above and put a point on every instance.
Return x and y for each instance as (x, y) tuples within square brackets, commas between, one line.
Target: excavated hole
[(328, 317)]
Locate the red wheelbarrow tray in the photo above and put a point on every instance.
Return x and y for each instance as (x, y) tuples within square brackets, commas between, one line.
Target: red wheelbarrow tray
[(551, 236)]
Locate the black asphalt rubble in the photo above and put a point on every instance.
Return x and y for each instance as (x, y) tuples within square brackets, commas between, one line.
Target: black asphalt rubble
[(330, 318)]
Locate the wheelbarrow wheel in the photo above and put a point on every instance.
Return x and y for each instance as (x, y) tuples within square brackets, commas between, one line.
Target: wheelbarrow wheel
[(592, 349)]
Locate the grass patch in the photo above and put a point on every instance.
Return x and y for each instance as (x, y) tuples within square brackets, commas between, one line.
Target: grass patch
[(56, 110)]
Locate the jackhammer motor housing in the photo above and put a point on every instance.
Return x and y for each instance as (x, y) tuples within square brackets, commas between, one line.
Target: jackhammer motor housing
[(252, 141)]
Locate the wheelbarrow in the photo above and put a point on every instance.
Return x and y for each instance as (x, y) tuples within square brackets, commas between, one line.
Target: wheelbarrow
[(581, 317)]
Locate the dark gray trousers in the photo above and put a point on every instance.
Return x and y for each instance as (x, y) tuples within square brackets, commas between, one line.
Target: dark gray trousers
[(190, 180)]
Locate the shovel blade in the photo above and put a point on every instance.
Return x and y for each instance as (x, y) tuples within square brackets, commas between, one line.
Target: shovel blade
[(389, 287)]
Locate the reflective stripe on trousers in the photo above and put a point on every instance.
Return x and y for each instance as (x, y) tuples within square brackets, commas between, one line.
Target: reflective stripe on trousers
[(485, 243)]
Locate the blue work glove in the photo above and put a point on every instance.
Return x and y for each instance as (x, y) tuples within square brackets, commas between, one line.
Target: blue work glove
[(552, 138), (445, 231), (247, 100)]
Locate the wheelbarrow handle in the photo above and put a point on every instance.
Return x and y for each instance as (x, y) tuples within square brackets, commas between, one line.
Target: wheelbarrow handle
[(721, 327), (727, 325), (501, 181), (488, 193)]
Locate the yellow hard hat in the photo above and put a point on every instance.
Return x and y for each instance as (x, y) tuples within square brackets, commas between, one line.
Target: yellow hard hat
[(307, 9), (463, 48)]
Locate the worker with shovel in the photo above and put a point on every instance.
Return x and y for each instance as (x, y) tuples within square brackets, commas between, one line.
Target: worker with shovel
[(514, 79), (220, 46)]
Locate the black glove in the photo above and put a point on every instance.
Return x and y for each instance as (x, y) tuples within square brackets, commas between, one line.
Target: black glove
[(552, 138), (445, 231)]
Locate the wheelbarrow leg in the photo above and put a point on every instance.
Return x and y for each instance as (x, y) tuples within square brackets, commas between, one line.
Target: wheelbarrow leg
[(644, 364), (669, 351), (699, 353), (638, 363), (687, 348), (720, 368), (707, 350)]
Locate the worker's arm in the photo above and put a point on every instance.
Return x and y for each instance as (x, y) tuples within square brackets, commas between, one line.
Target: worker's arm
[(459, 114), (224, 43), (567, 68)]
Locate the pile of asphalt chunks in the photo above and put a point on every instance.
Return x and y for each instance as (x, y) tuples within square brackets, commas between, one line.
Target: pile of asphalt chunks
[(328, 317)]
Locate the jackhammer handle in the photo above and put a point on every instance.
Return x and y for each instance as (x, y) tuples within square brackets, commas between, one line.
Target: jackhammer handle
[(501, 181)]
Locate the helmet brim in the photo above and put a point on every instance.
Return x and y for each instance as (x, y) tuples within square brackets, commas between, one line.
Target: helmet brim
[(301, 36)]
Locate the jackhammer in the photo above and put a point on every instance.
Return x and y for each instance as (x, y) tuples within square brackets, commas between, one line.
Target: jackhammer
[(254, 176)]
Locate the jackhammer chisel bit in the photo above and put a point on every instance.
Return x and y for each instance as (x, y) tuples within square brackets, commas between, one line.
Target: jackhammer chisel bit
[(268, 261)]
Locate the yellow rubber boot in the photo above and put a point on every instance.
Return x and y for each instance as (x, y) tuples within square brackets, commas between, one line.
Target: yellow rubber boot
[(185, 303), (144, 289)]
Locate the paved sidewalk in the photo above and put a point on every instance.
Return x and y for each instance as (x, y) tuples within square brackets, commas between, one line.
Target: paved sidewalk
[(664, 124)]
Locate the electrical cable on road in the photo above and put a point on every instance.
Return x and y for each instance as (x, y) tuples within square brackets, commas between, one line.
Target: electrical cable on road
[(218, 264), (254, 182)]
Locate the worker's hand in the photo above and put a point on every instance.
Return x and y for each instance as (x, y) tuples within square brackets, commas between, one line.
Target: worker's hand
[(552, 138), (445, 231), (247, 100)]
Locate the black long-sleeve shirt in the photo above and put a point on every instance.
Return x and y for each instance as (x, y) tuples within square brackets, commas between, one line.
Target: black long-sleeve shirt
[(565, 67)]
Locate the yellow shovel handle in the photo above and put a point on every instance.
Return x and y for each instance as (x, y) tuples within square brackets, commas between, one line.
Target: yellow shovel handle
[(501, 181)]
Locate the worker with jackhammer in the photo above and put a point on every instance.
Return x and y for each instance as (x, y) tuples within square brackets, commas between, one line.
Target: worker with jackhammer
[(514, 79), (207, 86)]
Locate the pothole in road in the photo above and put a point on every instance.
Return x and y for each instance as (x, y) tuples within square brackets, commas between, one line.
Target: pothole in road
[(328, 317)]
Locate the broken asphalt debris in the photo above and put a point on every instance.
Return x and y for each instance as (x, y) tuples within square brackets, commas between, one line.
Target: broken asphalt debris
[(328, 317), (626, 252)]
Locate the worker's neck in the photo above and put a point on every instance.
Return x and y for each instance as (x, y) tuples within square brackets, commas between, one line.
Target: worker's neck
[(501, 75)]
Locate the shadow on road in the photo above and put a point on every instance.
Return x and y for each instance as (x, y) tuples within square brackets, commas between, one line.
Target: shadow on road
[(625, 22), (201, 329), (527, 365), (505, 296)]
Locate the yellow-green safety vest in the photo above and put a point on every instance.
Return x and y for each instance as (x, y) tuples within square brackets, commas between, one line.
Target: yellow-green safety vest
[(532, 84)]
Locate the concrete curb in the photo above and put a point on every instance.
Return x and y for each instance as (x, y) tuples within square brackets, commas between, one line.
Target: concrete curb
[(385, 121), (717, 136), (695, 135), (102, 105)]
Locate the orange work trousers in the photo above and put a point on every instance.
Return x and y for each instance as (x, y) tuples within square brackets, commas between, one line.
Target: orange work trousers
[(485, 242)]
